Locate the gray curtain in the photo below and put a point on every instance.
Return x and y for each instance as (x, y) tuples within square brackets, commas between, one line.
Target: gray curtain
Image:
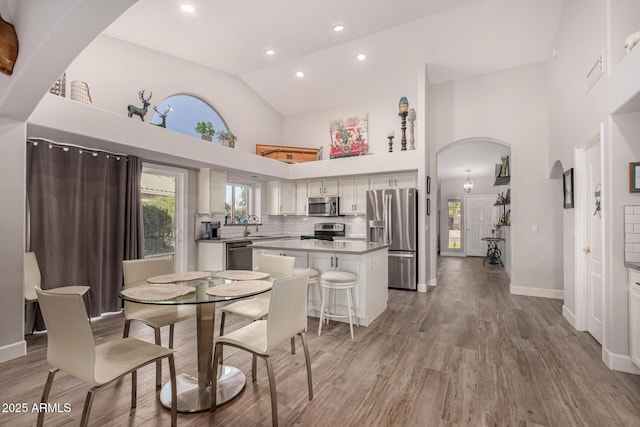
[(85, 218)]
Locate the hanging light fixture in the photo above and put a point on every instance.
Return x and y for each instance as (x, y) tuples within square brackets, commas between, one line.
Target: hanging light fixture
[(467, 184)]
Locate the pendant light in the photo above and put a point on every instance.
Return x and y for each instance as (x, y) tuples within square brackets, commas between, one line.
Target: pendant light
[(467, 184)]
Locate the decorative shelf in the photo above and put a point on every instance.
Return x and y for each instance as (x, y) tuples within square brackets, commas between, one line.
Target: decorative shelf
[(502, 203), (502, 180)]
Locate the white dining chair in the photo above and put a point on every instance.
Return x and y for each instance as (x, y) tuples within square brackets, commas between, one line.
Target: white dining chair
[(287, 318), (71, 348), (135, 273), (277, 266), (32, 280)]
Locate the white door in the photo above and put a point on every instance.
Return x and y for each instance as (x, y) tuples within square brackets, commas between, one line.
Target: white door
[(479, 219), (593, 250)]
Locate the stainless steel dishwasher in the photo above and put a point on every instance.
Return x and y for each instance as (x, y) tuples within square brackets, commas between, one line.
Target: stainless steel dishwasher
[(239, 255)]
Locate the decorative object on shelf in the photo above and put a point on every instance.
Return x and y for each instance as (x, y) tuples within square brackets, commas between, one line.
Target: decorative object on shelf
[(411, 118), (596, 195), (141, 112), (80, 92), (163, 116), (467, 184), (206, 130), (631, 41), (507, 198), (390, 135), (349, 136), (60, 86), (8, 47), (428, 184), (226, 138), (567, 186), (289, 154), (403, 108), (507, 218), (634, 177)]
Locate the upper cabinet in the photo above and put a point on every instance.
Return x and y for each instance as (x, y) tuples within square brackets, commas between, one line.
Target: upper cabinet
[(353, 196), (281, 198), (212, 191), (383, 182), (327, 187), (301, 198)]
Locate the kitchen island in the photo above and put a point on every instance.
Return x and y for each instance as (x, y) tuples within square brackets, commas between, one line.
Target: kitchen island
[(367, 260)]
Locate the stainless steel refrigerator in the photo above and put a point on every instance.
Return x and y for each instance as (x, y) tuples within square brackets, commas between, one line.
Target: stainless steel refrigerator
[(392, 218)]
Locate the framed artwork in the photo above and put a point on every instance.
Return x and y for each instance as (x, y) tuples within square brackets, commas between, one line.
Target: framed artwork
[(428, 185), (634, 177), (349, 137), (567, 185), (428, 207)]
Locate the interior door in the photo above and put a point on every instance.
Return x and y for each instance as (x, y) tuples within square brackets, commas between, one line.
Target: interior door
[(479, 218), (593, 250)]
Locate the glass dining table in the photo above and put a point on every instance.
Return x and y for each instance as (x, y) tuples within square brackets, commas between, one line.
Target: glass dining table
[(194, 388)]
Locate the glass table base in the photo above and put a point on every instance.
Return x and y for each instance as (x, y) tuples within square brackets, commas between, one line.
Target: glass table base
[(231, 382)]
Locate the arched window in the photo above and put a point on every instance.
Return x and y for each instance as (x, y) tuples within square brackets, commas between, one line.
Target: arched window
[(183, 112)]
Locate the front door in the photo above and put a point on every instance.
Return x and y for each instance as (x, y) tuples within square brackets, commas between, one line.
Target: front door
[(480, 219), (593, 250)]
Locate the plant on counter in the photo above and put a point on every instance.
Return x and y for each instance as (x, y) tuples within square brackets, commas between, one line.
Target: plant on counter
[(206, 130), (226, 138)]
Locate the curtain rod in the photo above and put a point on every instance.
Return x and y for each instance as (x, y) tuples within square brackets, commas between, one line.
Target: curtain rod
[(65, 144)]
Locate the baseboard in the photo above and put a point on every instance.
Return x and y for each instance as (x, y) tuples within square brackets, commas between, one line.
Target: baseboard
[(619, 362), (569, 316), (13, 351), (507, 270), (458, 254), (537, 292), (422, 287)]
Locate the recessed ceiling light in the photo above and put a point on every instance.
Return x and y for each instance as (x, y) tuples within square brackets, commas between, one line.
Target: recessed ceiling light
[(187, 8), (299, 74), (269, 52), (338, 27), (361, 57)]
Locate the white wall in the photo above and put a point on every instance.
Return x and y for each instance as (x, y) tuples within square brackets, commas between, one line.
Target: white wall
[(116, 71), (511, 106)]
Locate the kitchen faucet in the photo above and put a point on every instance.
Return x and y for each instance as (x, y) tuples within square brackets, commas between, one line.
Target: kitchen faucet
[(250, 219)]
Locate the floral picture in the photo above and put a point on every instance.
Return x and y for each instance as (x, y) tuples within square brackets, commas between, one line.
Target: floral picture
[(349, 137)]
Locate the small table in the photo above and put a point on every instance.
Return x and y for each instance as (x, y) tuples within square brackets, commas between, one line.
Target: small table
[(194, 389), (493, 251)]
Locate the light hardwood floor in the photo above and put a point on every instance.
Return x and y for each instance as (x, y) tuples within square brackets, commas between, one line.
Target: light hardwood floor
[(466, 353)]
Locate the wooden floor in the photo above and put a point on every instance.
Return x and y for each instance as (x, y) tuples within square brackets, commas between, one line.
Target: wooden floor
[(466, 353)]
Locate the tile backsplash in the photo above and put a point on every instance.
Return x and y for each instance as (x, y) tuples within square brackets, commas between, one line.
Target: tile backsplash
[(632, 233)]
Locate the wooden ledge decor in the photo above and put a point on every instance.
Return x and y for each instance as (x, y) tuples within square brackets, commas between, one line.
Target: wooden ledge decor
[(288, 154), (8, 47)]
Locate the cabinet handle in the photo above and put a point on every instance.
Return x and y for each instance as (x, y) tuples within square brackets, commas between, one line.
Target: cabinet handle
[(389, 182), (395, 182), (336, 262), (331, 262)]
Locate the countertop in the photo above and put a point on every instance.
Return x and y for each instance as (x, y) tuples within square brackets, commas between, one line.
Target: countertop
[(250, 237), (634, 265), (352, 247)]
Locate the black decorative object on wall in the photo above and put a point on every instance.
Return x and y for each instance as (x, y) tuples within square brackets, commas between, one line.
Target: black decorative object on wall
[(141, 112), (428, 185), (567, 185)]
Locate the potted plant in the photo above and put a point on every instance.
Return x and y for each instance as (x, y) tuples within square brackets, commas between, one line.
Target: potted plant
[(226, 138), (206, 130)]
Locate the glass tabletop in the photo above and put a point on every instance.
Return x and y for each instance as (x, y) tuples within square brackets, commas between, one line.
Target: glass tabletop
[(199, 294)]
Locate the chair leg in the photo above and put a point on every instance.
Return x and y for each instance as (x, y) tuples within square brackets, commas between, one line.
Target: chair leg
[(324, 295), (308, 360), (222, 319), (217, 352), (84, 421), (127, 327), (293, 345), (171, 335), (272, 389), (159, 362), (174, 391), (45, 395), (254, 368), (134, 389), (355, 306), (349, 312)]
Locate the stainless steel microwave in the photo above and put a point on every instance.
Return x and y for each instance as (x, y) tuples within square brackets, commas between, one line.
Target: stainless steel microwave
[(324, 206)]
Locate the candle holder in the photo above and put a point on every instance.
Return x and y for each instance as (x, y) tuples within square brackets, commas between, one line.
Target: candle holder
[(411, 119), (390, 144), (403, 127)]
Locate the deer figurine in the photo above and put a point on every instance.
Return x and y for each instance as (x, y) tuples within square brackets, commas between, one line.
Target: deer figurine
[(163, 116), (140, 111)]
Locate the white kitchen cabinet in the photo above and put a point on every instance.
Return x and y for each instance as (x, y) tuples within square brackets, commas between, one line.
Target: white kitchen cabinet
[(211, 256), (383, 182), (301, 257), (301, 198), (327, 187), (212, 191), (353, 196), (281, 198), (634, 316)]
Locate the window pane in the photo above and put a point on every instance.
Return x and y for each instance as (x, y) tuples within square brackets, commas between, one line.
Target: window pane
[(158, 193), (228, 204), (454, 224), (240, 208)]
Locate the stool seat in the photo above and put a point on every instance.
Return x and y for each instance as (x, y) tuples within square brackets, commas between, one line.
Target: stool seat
[(313, 274), (338, 277), (332, 282)]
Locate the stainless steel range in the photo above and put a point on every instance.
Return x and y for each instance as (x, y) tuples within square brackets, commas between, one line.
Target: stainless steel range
[(326, 231)]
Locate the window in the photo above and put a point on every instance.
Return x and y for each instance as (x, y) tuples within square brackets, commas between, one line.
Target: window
[(185, 112), (454, 224), (237, 203)]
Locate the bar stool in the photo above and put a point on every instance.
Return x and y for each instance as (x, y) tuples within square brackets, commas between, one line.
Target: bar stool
[(314, 283), (334, 281)]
